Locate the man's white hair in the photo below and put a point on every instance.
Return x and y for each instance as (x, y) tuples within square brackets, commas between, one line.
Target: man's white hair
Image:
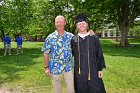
[(60, 16)]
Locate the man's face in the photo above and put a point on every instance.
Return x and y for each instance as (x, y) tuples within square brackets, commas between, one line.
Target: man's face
[(60, 23), (82, 26)]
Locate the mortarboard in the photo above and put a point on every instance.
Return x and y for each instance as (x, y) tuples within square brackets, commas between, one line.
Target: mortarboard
[(81, 17)]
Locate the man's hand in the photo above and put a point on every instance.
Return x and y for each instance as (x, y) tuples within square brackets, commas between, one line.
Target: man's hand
[(91, 33), (100, 74), (47, 72)]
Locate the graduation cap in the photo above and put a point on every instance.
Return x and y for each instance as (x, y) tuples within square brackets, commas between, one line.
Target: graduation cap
[(81, 17)]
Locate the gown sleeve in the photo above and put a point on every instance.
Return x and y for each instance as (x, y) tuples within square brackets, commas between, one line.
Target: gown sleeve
[(99, 55)]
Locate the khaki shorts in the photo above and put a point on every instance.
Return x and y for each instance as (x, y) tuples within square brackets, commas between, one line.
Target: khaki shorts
[(19, 46)]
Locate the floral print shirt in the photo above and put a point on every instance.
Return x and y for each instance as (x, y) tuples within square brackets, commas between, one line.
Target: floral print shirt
[(59, 49)]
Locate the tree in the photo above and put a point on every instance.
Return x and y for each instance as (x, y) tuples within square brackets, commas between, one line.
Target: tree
[(15, 16), (4, 18), (123, 12), (135, 29)]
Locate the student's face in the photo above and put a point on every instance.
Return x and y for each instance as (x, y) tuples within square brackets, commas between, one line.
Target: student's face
[(60, 23), (82, 26)]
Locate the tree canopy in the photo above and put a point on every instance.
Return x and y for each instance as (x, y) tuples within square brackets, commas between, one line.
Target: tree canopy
[(36, 17)]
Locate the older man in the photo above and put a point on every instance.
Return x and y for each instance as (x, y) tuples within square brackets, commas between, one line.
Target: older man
[(58, 57)]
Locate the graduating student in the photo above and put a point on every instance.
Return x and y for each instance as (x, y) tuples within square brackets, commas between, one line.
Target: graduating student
[(89, 60)]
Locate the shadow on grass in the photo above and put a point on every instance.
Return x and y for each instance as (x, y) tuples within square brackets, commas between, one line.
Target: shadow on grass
[(10, 66), (111, 48)]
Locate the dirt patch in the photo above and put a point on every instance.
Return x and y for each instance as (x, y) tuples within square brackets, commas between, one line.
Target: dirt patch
[(4, 90)]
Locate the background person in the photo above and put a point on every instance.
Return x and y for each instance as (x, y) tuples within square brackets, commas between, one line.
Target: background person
[(19, 44), (7, 44)]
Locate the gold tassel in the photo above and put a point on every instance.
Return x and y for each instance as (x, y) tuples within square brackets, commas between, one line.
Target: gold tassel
[(88, 62), (79, 71), (88, 76)]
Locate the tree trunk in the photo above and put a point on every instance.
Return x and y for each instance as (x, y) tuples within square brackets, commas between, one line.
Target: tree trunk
[(2, 34), (117, 31), (124, 32)]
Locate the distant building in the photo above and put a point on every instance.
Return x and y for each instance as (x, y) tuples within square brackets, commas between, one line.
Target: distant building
[(110, 33)]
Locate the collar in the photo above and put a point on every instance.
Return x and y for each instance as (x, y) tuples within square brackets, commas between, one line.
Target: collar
[(83, 35), (59, 34)]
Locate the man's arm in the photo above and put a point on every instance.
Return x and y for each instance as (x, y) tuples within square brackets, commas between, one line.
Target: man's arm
[(46, 62), (100, 58)]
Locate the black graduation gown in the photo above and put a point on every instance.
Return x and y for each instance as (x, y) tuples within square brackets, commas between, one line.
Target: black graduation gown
[(96, 59)]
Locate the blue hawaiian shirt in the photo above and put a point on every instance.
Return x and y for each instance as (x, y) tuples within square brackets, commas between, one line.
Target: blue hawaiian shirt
[(59, 49)]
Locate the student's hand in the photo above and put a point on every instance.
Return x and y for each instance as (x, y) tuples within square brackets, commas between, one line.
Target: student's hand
[(91, 33), (100, 74), (47, 72)]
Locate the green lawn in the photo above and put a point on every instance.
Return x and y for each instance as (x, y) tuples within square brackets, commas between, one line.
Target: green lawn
[(25, 73)]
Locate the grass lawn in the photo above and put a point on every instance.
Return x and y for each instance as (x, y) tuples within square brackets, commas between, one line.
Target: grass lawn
[(25, 73)]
